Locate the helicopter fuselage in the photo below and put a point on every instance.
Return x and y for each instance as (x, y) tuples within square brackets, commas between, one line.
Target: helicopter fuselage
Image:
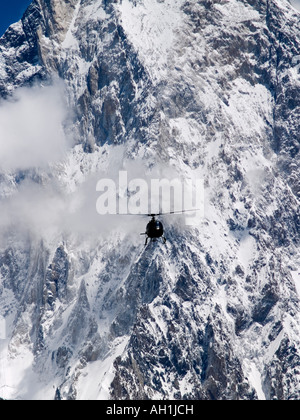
[(154, 229)]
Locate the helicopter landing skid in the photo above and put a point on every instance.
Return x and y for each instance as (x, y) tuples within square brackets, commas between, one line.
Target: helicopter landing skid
[(164, 240)]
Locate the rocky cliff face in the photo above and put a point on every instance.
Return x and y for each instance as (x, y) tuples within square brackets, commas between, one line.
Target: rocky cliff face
[(208, 86)]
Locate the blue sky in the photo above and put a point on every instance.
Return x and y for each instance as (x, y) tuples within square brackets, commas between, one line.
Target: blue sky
[(11, 11)]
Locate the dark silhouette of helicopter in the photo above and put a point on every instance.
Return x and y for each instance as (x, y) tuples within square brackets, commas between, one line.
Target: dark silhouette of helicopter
[(155, 229)]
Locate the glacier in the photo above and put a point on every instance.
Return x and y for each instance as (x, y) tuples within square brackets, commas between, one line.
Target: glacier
[(161, 88)]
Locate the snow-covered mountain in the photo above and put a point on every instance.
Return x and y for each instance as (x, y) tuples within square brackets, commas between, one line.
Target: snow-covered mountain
[(164, 87)]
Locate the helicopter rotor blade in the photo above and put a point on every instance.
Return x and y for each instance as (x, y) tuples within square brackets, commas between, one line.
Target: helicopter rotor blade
[(141, 214), (178, 212), (160, 214), (171, 212)]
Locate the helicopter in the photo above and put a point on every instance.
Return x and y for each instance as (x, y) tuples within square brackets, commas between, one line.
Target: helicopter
[(155, 229)]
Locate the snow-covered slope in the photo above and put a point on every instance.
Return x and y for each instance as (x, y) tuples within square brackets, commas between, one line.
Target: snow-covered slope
[(161, 88)]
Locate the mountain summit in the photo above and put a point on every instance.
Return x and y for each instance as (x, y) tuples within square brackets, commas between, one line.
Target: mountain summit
[(164, 88)]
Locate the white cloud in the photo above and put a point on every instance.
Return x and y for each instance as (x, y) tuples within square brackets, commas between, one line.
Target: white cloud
[(31, 128), (47, 212), (296, 4), (31, 135)]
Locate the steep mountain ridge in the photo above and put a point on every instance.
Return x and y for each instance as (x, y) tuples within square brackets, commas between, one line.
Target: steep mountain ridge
[(178, 86)]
